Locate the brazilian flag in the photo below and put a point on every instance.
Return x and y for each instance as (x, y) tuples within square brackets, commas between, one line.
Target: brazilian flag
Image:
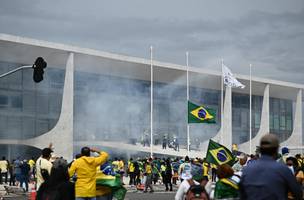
[(199, 114), (111, 182), (219, 154)]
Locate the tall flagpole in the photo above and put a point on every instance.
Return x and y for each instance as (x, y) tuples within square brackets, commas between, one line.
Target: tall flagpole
[(188, 128), (250, 110), (151, 102), (222, 105)]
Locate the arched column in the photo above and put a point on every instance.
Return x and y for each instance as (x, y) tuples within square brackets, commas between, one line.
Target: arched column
[(224, 135), (295, 138), (264, 125), (62, 134)]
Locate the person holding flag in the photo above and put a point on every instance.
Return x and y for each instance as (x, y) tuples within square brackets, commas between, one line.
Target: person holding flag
[(218, 154)]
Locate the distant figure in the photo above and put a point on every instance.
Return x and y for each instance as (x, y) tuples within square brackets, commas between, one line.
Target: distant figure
[(168, 175), (165, 142), (266, 178), (146, 139), (11, 169), (25, 174), (185, 170), (131, 170), (148, 174), (17, 170), (3, 169), (32, 163), (176, 144)]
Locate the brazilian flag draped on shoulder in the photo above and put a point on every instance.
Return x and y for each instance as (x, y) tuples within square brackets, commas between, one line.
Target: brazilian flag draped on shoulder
[(108, 181), (200, 114), (219, 154)]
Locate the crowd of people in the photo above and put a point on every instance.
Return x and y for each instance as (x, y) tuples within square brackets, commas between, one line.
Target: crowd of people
[(264, 176)]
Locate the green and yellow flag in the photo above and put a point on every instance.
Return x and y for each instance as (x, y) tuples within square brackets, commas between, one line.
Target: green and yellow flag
[(199, 114), (219, 154), (111, 182)]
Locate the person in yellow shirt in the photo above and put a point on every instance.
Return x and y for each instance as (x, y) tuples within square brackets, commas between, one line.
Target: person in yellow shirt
[(131, 170), (3, 169), (85, 169), (32, 163), (115, 164), (121, 169), (148, 174)]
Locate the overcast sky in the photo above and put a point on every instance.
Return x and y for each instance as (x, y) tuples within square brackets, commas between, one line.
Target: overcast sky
[(269, 34)]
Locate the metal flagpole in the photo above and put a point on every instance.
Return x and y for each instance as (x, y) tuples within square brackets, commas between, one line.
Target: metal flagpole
[(188, 128), (222, 105), (151, 102), (250, 110)]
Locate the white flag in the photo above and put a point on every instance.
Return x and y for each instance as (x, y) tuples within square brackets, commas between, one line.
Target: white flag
[(229, 79)]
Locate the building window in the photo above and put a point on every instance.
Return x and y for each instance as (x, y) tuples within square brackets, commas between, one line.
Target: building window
[(16, 102)]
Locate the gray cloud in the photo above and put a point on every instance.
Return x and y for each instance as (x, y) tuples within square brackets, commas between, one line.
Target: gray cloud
[(267, 34)]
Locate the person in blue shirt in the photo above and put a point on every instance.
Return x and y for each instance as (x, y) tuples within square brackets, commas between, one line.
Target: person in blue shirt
[(266, 178)]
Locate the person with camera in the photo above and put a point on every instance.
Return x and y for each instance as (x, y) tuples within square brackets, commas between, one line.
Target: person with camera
[(85, 168)]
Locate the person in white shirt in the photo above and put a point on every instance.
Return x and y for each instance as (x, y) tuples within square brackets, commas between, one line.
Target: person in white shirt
[(185, 170), (3, 169), (196, 178), (43, 164)]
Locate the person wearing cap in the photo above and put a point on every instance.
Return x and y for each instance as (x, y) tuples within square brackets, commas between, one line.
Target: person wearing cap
[(43, 164), (85, 168), (238, 167), (285, 155), (266, 178)]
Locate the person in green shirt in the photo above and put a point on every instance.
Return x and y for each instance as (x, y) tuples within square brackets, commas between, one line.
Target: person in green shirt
[(228, 184)]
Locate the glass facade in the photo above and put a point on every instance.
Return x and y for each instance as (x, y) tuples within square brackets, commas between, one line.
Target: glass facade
[(28, 109), (241, 119), (280, 119), (118, 109)]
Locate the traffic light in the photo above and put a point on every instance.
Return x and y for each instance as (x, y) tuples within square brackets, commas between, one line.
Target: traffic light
[(38, 67)]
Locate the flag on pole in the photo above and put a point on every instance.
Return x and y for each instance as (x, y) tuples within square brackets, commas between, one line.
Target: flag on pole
[(229, 79), (200, 114), (219, 154)]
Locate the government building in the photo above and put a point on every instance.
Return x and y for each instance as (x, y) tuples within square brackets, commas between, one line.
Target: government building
[(95, 98)]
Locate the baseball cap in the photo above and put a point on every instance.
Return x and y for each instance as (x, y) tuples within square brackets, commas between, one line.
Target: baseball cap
[(269, 141)]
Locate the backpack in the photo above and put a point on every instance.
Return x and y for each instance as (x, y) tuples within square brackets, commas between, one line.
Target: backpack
[(196, 192)]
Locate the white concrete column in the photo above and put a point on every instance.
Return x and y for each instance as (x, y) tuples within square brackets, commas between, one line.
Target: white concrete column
[(227, 129), (62, 134), (227, 133), (264, 125), (295, 138)]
